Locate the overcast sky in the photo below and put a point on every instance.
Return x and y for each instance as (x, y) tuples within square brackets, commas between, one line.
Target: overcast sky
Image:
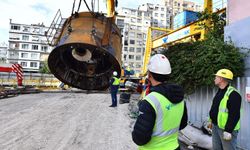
[(38, 11)]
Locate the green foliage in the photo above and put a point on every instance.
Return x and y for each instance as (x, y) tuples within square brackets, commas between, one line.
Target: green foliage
[(45, 68), (195, 63)]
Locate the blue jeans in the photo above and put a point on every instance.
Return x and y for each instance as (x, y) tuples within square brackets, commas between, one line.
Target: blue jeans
[(219, 143), (114, 98)]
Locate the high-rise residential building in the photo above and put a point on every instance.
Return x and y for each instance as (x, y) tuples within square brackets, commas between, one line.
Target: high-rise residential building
[(134, 24), (28, 46), (174, 6), (3, 52), (188, 5)]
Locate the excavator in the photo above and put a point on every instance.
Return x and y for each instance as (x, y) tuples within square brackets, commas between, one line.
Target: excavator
[(87, 47)]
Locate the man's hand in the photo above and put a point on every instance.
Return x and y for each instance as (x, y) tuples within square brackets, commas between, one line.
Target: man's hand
[(209, 125), (227, 136)]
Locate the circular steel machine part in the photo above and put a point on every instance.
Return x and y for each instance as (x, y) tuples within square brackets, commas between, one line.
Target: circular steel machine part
[(81, 59)]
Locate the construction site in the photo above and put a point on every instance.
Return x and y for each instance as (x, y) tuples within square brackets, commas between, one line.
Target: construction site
[(70, 108)]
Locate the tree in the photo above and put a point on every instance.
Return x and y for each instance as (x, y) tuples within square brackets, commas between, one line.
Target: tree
[(195, 63)]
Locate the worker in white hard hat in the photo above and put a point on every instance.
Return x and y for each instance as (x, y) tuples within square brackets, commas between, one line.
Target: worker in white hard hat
[(163, 112), (114, 86), (225, 112)]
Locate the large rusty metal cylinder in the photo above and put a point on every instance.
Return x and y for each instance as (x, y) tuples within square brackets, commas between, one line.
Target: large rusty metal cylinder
[(87, 51)]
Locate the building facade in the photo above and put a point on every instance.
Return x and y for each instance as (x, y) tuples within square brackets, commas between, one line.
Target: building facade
[(191, 6), (3, 52), (28, 46), (134, 24)]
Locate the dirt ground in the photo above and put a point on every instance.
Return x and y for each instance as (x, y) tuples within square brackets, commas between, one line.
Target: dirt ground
[(64, 121)]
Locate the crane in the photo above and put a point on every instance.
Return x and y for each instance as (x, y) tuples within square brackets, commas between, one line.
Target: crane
[(87, 47), (173, 36)]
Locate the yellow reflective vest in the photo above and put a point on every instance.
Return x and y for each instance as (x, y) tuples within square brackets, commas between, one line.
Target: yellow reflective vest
[(223, 111), (168, 120), (116, 81)]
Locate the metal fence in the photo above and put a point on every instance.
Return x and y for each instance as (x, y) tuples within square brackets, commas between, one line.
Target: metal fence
[(199, 104), (34, 79)]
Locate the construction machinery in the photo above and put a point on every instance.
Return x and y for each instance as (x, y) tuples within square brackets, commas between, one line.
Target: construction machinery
[(192, 31), (87, 48)]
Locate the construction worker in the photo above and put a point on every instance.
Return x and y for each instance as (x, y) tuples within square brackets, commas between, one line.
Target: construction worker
[(225, 112), (162, 113), (114, 86)]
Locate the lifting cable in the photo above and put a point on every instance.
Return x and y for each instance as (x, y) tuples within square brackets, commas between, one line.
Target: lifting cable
[(89, 8)]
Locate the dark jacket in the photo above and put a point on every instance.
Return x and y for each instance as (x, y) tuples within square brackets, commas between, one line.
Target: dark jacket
[(113, 88), (145, 122), (233, 106)]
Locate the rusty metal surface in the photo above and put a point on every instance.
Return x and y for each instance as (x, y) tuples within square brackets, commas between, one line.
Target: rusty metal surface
[(83, 58)]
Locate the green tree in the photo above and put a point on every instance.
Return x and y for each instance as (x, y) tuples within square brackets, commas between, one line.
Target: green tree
[(195, 63), (45, 68)]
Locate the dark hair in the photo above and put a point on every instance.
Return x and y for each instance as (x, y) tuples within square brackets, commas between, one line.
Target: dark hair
[(160, 77)]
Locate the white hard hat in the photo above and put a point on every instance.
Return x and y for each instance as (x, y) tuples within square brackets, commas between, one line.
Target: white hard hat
[(159, 64), (115, 73)]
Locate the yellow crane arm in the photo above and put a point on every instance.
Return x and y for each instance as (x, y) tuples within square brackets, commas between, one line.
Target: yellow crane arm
[(110, 8)]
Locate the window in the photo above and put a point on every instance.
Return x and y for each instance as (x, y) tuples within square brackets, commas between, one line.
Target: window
[(132, 27), (15, 27), (139, 35), (133, 20), (139, 28), (133, 12), (24, 55), (139, 13), (131, 56), (162, 15), (24, 64), (156, 14), (124, 57), (34, 47), (125, 48), (131, 49), (138, 20), (35, 38), (132, 34), (26, 29), (25, 37), (25, 46), (138, 50), (36, 30), (138, 57), (132, 42), (162, 9), (139, 43), (120, 22), (34, 55), (156, 8), (33, 64), (44, 48), (14, 36)]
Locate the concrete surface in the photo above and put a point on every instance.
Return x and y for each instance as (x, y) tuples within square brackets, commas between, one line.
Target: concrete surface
[(64, 121)]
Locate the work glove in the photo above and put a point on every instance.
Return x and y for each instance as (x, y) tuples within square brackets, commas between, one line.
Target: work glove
[(209, 125), (227, 136)]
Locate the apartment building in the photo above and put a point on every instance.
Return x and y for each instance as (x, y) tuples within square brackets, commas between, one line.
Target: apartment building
[(28, 46), (3, 52), (174, 6), (134, 24), (191, 6)]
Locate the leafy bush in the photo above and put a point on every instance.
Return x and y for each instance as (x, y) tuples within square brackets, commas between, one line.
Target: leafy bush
[(195, 63)]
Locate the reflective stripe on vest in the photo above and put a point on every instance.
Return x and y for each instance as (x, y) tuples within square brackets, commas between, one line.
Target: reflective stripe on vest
[(223, 111), (168, 118), (116, 81), (159, 127)]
